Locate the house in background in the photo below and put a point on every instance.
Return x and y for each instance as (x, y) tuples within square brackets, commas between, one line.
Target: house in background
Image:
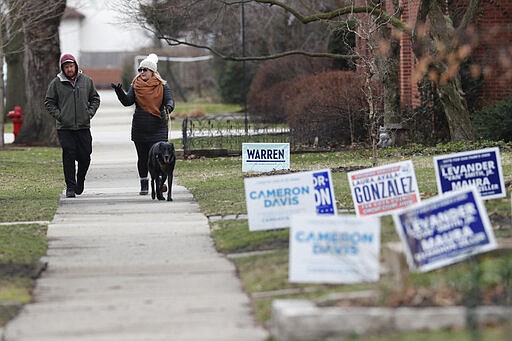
[(493, 54), (94, 32)]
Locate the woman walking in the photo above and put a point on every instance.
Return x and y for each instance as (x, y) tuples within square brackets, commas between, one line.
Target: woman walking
[(153, 103)]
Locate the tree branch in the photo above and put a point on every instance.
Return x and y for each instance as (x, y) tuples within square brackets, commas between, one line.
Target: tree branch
[(175, 42), (373, 10), (469, 14)]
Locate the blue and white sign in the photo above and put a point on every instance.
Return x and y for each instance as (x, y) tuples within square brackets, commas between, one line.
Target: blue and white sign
[(480, 168), (334, 249), (444, 230), (265, 157), (271, 200)]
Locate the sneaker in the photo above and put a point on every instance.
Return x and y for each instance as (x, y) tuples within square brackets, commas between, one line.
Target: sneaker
[(70, 193), (79, 187)]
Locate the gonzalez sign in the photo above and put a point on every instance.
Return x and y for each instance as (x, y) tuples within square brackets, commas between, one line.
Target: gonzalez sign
[(379, 190), (480, 168)]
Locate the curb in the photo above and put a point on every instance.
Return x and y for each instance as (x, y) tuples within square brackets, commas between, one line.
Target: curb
[(302, 320)]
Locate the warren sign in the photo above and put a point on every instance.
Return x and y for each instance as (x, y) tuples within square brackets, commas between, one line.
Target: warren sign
[(265, 157)]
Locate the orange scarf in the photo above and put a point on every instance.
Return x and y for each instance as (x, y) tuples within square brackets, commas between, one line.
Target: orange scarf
[(149, 95)]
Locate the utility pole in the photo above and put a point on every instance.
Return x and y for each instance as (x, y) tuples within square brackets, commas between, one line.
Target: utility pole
[(244, 71)]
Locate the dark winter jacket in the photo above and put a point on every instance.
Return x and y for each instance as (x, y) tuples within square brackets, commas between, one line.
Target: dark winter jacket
[(72, 106), (147, 127)]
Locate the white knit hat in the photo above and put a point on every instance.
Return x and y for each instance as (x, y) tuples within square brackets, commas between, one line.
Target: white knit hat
[(150, 62)]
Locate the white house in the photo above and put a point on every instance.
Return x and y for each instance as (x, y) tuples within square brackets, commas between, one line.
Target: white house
[(99, 35)]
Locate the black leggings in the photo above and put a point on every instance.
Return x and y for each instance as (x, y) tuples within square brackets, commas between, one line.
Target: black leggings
[(142, 157)]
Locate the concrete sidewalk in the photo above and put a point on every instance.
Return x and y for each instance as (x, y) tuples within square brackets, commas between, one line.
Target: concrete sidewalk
[(124, 267)]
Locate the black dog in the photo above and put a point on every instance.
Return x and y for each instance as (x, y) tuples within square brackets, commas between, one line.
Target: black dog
[(161, 161)]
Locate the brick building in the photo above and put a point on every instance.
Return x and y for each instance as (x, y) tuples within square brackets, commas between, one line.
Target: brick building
[(493, 55)]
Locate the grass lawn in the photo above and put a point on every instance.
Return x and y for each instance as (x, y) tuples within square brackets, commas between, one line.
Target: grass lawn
[(217, 184), (30, 183)]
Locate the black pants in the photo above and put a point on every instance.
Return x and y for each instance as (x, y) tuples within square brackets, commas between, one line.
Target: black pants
[(142, 157), (76, 146)]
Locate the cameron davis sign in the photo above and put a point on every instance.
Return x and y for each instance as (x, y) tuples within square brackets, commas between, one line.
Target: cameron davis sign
[(271, 200), (334, 249)]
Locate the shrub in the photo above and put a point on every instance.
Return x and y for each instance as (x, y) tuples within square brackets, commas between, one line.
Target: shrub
[(265, 93), (231, 82), (328, 109), (494, 122), (342, 40), (427, 123)]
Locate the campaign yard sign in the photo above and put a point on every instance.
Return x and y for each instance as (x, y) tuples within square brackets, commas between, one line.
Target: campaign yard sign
[(265, 157), (271, 200), (445, 229), (480, 168), (380, 190), (334, 249)]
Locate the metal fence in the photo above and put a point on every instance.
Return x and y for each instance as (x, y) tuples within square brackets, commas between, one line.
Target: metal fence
[(229, 132)]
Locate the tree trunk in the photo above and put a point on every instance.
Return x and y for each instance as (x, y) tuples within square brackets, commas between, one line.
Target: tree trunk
[(14, 50), (42, 53), (2, 109), (389, 67), (456, 111), (441, 34)]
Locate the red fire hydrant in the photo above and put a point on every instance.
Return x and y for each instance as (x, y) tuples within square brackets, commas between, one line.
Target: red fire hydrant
[(17, 119)]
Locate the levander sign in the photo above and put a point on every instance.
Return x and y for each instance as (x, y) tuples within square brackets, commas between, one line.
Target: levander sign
[(445, 229), (379, 190), (334, 249), (271, 200), (265, 157), (480, 168)]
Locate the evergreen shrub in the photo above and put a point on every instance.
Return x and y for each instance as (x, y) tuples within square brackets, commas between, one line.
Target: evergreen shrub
[(495, 121)]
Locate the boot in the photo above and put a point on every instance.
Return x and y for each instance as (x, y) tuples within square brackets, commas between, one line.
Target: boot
[(144, 186), (79, 187), (70, 192)]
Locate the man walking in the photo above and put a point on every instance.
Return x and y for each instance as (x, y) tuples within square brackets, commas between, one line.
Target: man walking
[(72, 100)]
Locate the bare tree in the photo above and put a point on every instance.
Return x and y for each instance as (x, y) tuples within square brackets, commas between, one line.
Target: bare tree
[(215, 25), (435, 42), (11, 49), (14, 56), (434, 48), (368, 33), (441, 34), (2, 108), (41, 20)]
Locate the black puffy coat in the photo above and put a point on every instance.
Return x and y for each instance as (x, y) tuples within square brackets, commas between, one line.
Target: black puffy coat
[(147, 127)]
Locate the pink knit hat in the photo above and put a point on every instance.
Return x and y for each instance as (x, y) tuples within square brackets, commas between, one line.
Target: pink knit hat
[(67, 58)]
